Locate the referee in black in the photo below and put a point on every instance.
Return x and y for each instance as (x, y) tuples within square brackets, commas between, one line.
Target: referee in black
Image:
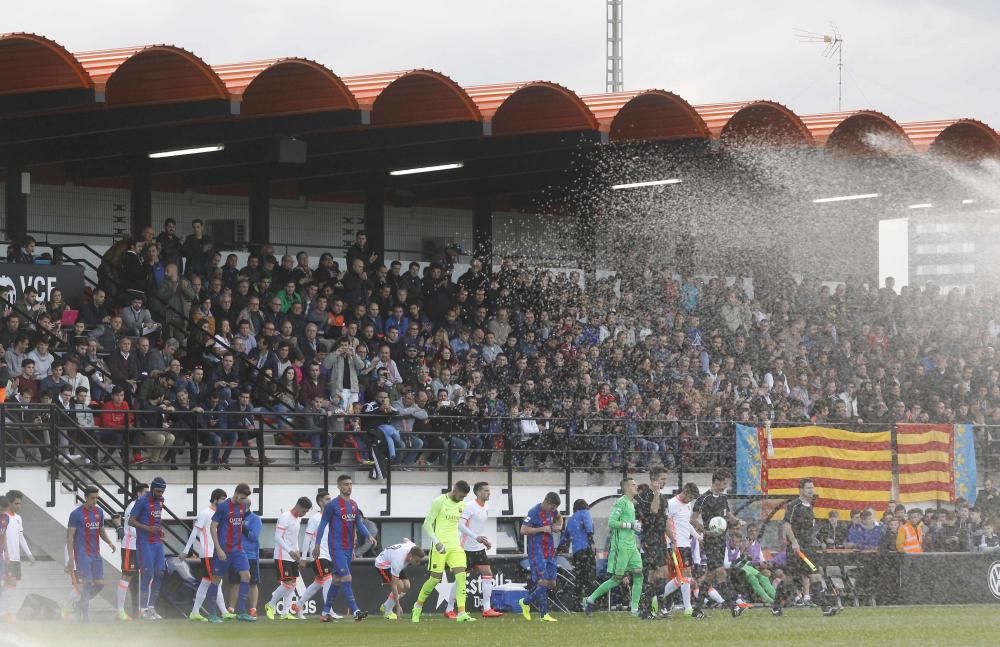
[(801, 556), (714, 503), (651, 510)]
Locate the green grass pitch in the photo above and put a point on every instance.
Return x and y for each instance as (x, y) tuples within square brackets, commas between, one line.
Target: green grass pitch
[(926, 626)]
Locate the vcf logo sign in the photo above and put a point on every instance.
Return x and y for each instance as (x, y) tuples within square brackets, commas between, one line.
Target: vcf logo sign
[(993, 580)]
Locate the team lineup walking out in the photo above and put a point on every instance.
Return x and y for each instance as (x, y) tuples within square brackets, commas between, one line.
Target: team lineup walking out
[(685, 550)]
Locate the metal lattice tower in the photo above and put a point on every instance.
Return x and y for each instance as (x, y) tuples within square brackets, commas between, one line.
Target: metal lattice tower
[(615, 79)]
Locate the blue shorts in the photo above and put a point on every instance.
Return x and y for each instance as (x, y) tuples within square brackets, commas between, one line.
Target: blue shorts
[(234, 576), (90, 568), (151, 557), (342, 563), (235, 561), (542, 568)]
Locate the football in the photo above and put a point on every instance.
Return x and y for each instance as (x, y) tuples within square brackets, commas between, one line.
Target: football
[(717, 525)]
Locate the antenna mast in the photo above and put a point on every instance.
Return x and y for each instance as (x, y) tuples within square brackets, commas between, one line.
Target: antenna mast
[(834, 47), (614, 72)]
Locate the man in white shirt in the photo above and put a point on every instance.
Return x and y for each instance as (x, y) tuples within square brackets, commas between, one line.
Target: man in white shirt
[(679, 511), (391, 563), (287, 555), (322, 580), (204, 547), (474, 542), (129, 563), (16, 544)]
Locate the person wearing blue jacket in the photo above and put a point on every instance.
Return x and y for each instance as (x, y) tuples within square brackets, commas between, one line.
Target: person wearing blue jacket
[(578, 537)]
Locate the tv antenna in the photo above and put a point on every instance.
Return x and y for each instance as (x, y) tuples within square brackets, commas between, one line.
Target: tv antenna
[(834, 46)]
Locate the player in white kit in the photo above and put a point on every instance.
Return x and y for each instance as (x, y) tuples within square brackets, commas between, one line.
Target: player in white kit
[(475, 544), (16, 547), (391, 564), (129, 564), (679, 511), (287, 556), (204, 547), (322, 580)]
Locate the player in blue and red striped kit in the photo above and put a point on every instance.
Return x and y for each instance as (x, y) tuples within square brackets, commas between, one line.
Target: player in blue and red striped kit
[(341, 521), (227, 533), (147, 519), (537, 527), (83, 545)]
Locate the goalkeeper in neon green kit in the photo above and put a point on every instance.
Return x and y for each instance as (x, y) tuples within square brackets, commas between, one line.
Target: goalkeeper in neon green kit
[(623, 558), (441, 527)]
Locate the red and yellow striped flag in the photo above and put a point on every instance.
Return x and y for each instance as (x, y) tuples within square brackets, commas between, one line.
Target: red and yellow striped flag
[(850, 470), (925, 454)]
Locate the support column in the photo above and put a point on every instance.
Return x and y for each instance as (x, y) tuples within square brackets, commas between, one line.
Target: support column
[(15, 204), (259, 213), (141, 201), (375, 217), (482, 228)]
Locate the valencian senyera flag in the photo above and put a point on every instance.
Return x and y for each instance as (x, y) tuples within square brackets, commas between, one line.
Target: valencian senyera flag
[(937, 463), (850, 470)]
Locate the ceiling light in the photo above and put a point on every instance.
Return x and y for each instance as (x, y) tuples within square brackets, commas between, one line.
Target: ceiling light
[(922, 205), (968, 201), (845, 198), (187, 151), (636, 185), (428, 169)]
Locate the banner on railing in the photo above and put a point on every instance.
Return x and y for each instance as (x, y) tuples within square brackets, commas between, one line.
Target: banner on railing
[(850, 470), (937, 463), (44, 278)]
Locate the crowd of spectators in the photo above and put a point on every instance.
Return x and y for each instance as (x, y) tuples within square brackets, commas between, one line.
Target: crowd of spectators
[(639, 368)]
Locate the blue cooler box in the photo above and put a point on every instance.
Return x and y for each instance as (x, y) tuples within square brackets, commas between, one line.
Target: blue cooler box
[(506, 599)]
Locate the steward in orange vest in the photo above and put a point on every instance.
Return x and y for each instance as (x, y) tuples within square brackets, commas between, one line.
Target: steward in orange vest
[(910, 538)]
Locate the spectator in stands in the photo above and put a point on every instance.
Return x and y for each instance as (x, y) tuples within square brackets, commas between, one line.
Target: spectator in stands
[(832, 532), (115, 422), (42, 359), (124, 367), (136, 319), (131, 271), (23, 252), (197, 250), (169, 243), (409, 412), (96, 311), (16, 354)]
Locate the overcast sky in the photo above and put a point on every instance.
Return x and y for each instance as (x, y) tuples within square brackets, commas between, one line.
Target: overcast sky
[(912, 59)]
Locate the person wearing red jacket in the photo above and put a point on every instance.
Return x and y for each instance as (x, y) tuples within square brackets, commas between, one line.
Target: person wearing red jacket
[(114, 421)]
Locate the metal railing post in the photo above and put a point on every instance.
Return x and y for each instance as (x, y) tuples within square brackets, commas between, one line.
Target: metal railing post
[(195, 463), (260, 463), (3, 443), (53, 465), (126, 451), (327, 445)]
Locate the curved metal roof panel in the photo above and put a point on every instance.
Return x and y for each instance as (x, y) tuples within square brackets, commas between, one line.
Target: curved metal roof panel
[(765, 121), (646, 115), (284, 86), (32, 63), (967, 138), (532, 107), (412, 97), (151, 74), (862, 132)]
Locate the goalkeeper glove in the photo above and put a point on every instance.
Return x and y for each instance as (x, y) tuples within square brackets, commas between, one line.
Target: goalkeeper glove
[(637, 526)]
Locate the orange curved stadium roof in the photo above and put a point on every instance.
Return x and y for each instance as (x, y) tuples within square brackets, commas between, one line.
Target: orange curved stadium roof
[(284, 86), (412, 97), (968, 139), (646, 115), (125, 75), (858, 132), (759, 121), (532, 107), (30, 63)]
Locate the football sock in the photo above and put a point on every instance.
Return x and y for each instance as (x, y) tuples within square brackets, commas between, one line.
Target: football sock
[(686, 595), (714, 596), (244, 602), (286, 598), (460, 591), (199, 596), (671, 586), (542, 599), (311, 590), (122, 594), (327, 583), (427, 589), (348, 592), (451, 599), (606, 586), (390, 604), (277, 594), (145, 584), (154, 589), (637, 581), (486, 586), (213, 595), (331, 595)]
